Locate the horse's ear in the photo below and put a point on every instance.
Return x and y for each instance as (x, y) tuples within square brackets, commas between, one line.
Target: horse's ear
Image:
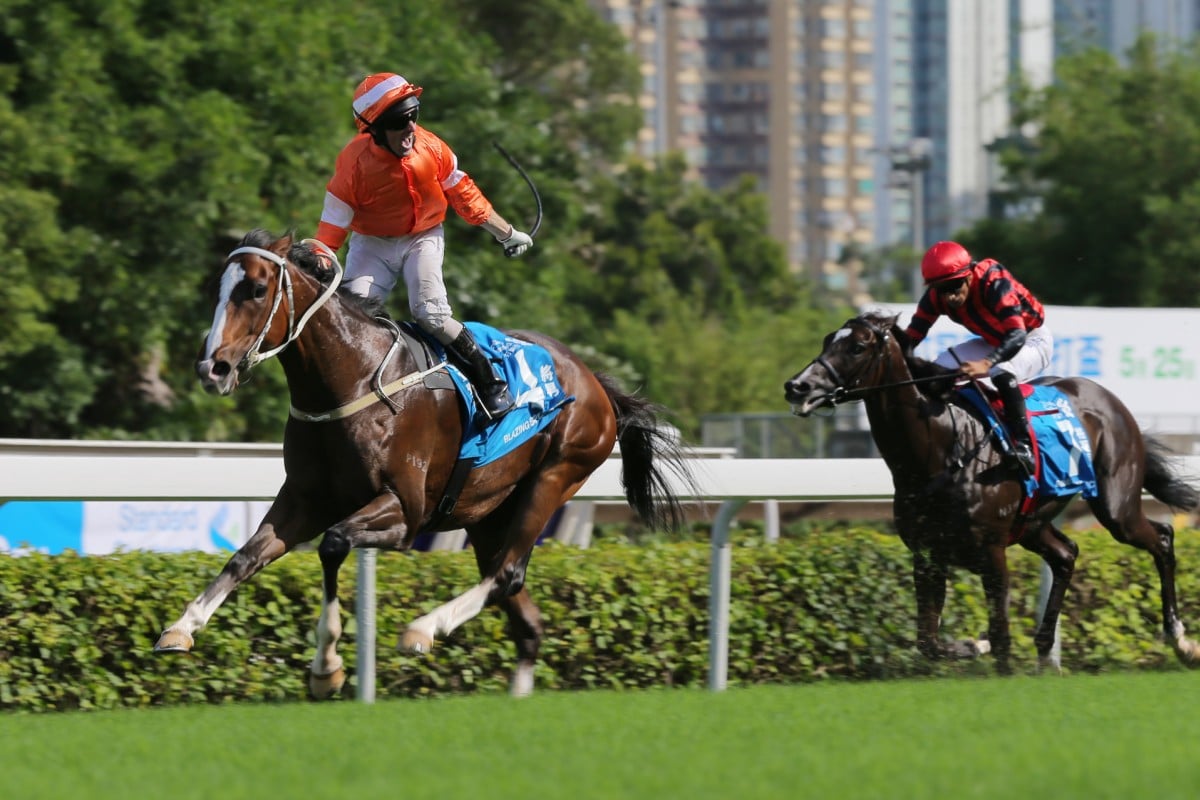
[(281, 245)]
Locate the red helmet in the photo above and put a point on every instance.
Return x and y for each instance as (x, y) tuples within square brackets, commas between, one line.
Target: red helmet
[(945, 261), (377, 93)]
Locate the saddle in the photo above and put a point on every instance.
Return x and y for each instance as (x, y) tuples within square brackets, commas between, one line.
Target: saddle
[(532, 378), (983, 398), (1061, 448)]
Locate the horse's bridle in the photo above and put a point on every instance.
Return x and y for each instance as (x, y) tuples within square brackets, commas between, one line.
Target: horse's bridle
[(844, 393), (284, 284)]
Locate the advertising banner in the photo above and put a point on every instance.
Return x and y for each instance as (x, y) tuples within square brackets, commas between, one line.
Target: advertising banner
[(101, 527), (1148, 357)]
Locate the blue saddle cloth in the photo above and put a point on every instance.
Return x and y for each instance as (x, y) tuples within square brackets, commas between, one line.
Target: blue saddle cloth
[(533, 381), (1064, 452)]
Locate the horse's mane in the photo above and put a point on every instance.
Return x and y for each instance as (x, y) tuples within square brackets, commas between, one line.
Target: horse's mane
[(305, 257), (919, 367)]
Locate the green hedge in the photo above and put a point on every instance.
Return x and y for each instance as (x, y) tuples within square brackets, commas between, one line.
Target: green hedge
[(78, 632)]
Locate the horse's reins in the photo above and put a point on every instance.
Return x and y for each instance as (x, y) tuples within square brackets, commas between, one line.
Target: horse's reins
[(253, 357), (843, 393)]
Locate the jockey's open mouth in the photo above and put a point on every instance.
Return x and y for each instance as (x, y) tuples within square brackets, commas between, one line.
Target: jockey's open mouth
[(401, 142)]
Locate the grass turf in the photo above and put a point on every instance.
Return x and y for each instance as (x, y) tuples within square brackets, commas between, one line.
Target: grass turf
[(1116, 735)]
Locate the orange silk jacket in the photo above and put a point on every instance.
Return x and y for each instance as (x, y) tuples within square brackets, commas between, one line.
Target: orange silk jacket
[(376, 194)]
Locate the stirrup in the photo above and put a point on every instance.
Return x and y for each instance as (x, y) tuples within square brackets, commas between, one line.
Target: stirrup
[(495, 404), (1023, 455)]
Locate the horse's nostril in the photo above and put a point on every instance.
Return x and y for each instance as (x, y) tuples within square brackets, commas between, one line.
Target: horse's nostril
[(220, 369)]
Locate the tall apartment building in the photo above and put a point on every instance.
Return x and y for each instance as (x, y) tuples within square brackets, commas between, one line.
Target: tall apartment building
[(1115, 24), (900, 159), (967, 55), (781, 90), (865, 122)]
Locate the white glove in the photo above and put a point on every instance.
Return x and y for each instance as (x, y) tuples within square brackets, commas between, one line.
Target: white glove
[(515, 243)]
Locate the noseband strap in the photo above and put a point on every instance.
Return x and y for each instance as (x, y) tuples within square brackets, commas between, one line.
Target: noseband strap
[(253, 357), (822, 361), (843, 393)]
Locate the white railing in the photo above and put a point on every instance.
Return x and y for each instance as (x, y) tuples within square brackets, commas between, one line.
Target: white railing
[(62, 470)]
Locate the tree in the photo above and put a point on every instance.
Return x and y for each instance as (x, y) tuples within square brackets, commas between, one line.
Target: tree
[(1112, 169), (140, 139), (685, 285)]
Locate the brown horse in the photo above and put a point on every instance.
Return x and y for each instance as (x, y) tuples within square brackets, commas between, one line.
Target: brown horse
[(374, 471), (957, 499)]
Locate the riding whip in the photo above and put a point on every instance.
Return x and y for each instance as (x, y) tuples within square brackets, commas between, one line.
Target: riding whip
[(537, 198)]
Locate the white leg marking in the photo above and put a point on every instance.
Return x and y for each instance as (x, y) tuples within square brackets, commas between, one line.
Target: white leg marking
[(522, 680), (329, 631), (449, 616), (1050, 663), (198, 613)]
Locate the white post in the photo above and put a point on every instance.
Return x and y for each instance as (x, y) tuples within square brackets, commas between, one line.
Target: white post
[(1043, 601), (718, 596), (771, 521), (365, 617)]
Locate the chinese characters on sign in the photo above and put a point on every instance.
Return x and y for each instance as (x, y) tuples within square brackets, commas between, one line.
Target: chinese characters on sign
[(1146, 356)]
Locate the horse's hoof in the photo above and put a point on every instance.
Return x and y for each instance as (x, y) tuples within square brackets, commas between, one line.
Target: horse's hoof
[(323, 687), (522, 681), (1048, 665), (1188, 651), (173, 641), (414, 641)]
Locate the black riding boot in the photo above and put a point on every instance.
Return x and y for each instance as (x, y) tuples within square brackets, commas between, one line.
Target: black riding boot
[(1016, 418), (489, 387)]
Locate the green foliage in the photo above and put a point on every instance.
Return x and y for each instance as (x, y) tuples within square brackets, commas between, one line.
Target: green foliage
[(1111, 172), (703, 307), (79, 632), (139, 139)]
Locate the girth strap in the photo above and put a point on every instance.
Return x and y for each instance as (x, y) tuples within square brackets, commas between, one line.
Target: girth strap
[(454, 486)]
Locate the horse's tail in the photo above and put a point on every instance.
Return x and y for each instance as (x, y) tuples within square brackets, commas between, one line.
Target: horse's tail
[(648, 453), (1164, 481)]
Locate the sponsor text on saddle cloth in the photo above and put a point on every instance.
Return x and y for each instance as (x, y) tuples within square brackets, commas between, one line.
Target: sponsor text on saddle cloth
[(1063, 453), (531, 378)]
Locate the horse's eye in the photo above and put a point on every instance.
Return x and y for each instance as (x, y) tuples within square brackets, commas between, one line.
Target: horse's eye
[(858, 348), (260, 291)]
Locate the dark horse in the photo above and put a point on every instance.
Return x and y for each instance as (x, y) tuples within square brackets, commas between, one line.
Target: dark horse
[(957, 499), (375, 477)]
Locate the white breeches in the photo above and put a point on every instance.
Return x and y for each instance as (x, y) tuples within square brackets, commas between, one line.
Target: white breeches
[(375, 263), (1029, 362)]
